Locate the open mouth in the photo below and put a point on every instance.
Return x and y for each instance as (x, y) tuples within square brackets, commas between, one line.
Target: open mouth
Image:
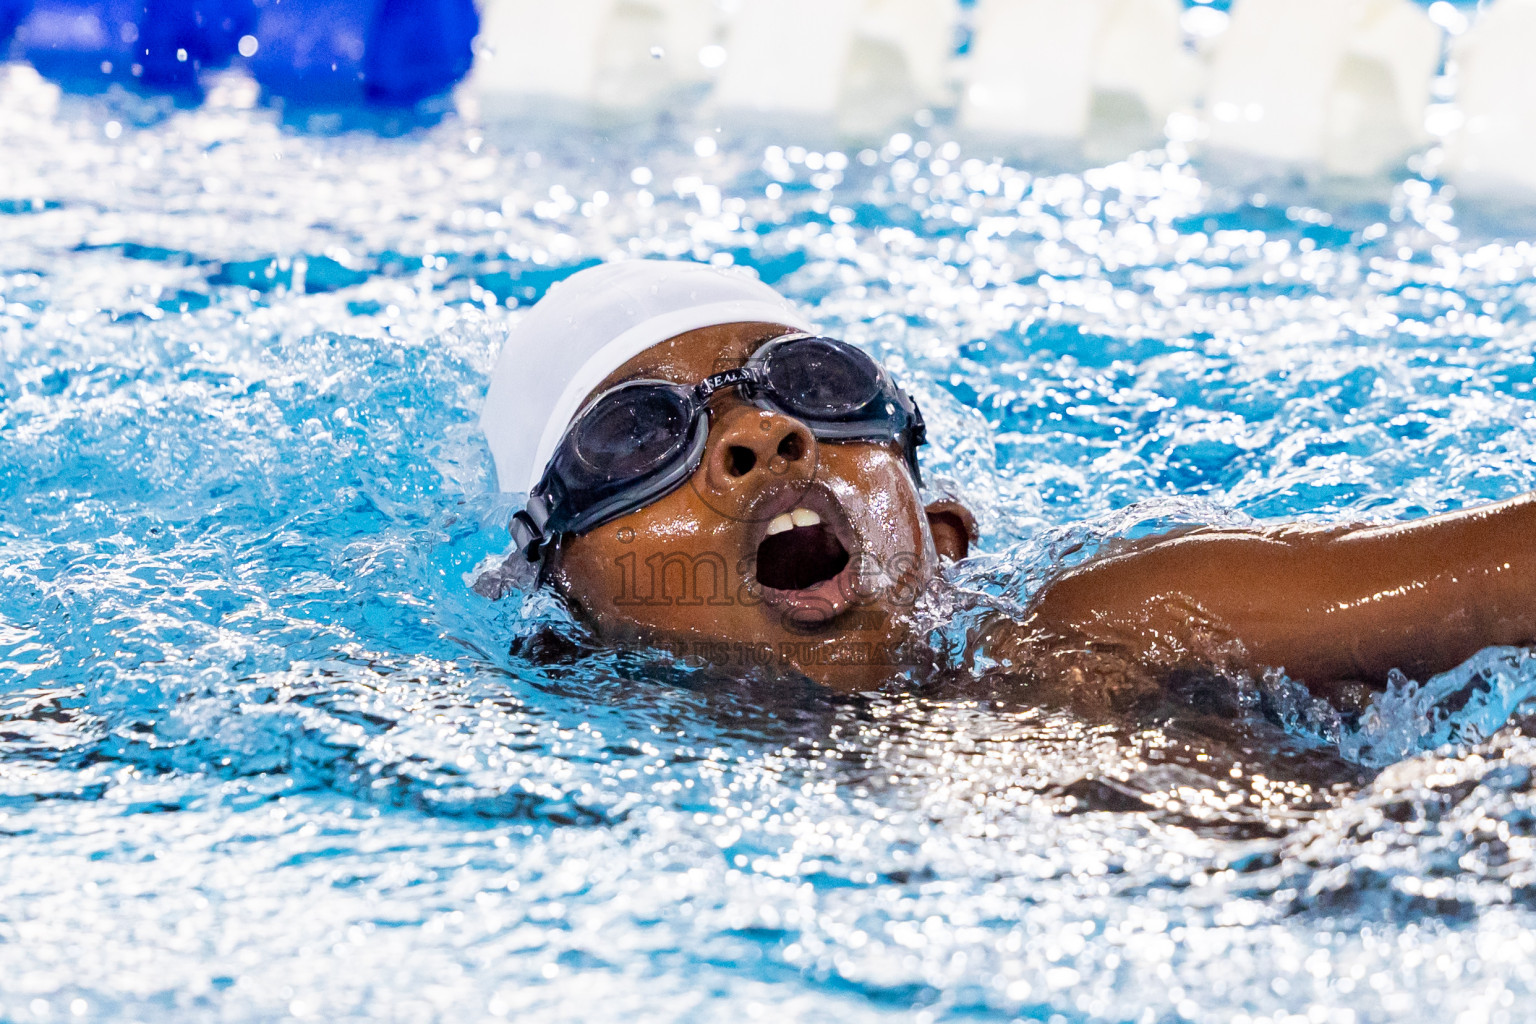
[(799, 552)]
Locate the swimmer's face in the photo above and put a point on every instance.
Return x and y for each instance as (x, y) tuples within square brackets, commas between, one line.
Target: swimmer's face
[(780, 550)]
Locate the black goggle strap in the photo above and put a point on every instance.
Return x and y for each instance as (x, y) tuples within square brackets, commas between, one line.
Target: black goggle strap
[(748, 374), (546, 516), (528, 527), (913, 438), (739, 377)]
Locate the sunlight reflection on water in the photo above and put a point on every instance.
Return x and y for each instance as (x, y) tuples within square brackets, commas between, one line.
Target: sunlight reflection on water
[(264, 755)]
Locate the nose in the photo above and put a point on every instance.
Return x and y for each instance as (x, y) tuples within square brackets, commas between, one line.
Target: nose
[(748, 447)]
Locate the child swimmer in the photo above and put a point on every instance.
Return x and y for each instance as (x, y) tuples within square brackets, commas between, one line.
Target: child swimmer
[(705, 472)]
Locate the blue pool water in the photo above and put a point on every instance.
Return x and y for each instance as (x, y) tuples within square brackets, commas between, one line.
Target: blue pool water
[(264, 755)]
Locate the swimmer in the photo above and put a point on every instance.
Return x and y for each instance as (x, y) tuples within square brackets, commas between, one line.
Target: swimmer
[(705, 472)]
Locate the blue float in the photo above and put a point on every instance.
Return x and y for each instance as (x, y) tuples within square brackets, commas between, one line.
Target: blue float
[(178, 38), (419, 49), (79, 42), (341, 52), (306, 52), (161, 43), (11, 13)]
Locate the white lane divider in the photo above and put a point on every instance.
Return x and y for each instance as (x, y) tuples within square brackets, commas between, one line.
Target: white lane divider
[(1030, 68), (787, 57), (1341, 86), (635, 55), (1069, 69), (1494, 149), (863, 66)]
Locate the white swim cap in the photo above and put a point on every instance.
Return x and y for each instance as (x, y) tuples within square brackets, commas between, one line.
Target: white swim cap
[(589, 325)]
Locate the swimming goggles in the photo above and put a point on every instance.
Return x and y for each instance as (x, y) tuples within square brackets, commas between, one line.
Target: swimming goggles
[(641, 440)]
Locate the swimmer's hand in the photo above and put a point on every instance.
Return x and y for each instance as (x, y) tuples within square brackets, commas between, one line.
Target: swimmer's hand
[(499, 575), (1329, 606)]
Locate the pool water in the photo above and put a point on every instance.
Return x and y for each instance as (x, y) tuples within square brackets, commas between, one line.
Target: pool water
[(265, 755)]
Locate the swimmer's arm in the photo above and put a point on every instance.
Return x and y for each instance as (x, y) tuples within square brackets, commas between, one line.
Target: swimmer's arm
[(1330, 606)]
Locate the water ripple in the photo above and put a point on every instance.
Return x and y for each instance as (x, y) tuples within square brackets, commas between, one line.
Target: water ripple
[(265, 754)]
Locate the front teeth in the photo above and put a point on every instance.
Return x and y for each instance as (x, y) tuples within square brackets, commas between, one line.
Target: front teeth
[(790, 520)]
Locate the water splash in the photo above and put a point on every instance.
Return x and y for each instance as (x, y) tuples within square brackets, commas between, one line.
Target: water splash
[(1459, 708), (265, 755)]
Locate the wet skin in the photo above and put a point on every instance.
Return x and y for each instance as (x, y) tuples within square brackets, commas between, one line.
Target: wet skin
[(1332, 606), (1335, 608), (684, 570)]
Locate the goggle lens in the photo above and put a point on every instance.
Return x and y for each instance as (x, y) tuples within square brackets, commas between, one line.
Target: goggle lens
[(630, 433), (642, 439), (821, 379)]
